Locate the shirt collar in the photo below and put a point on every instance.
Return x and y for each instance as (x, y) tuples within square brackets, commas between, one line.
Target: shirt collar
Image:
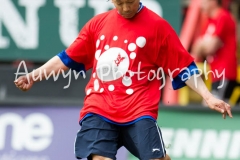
[(140, 7)]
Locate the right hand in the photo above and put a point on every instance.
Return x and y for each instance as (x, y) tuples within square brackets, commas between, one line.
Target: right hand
[(24, 83), (219, 106)]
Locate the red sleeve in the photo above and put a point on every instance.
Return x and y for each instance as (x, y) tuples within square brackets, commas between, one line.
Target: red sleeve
[(220, 27), (172, 55), (82, 49)]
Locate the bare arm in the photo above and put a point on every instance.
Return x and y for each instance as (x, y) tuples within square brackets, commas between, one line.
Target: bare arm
[(196, 83), (52, 66), (206, 46)]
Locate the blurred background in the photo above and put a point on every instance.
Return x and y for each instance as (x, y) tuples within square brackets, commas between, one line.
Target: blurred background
[(41, 124)]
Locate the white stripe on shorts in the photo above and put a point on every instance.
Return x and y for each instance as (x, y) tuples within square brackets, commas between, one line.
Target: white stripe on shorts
[(160, 136), (75, 142)]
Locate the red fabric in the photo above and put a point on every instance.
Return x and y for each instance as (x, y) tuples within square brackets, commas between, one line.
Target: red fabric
[(82, 50), (224, 27), (110, 32), (226, 3)]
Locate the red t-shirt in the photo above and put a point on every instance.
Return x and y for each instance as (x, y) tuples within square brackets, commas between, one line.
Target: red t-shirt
[(224, 27), (116, 48)]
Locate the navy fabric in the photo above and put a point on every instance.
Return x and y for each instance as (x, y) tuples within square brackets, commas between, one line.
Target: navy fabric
[(179, 81), (71, 63), (96, 137), (140, 7), (143, 139), (120, 124)]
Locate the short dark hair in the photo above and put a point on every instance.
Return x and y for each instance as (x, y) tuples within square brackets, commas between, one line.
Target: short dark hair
[(219, 2)]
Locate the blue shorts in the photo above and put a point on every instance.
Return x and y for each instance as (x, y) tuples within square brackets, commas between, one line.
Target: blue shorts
[(98, 137)]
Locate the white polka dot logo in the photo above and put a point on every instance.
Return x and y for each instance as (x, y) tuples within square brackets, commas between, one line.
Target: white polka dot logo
[(114, 63)]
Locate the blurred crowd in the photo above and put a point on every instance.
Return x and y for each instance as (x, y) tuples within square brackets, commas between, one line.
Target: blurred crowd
[(214, 45)]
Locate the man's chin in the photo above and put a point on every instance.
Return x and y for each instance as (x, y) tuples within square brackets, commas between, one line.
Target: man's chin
[(128, 16)]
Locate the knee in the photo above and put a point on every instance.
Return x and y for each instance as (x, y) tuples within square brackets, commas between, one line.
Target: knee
[(97, 157), (165, 158)]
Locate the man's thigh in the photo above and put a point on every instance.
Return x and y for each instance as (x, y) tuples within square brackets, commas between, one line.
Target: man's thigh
[(96, 137), (144, 140)]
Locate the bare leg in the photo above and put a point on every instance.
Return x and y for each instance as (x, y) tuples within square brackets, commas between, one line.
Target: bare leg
[(165, 158), (97, 157)]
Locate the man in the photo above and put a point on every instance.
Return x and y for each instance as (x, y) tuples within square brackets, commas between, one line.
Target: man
[(125, 47), (217, 45)]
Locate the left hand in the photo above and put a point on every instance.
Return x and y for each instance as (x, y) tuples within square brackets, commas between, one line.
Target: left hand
[(24, 83), (219, 106)]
